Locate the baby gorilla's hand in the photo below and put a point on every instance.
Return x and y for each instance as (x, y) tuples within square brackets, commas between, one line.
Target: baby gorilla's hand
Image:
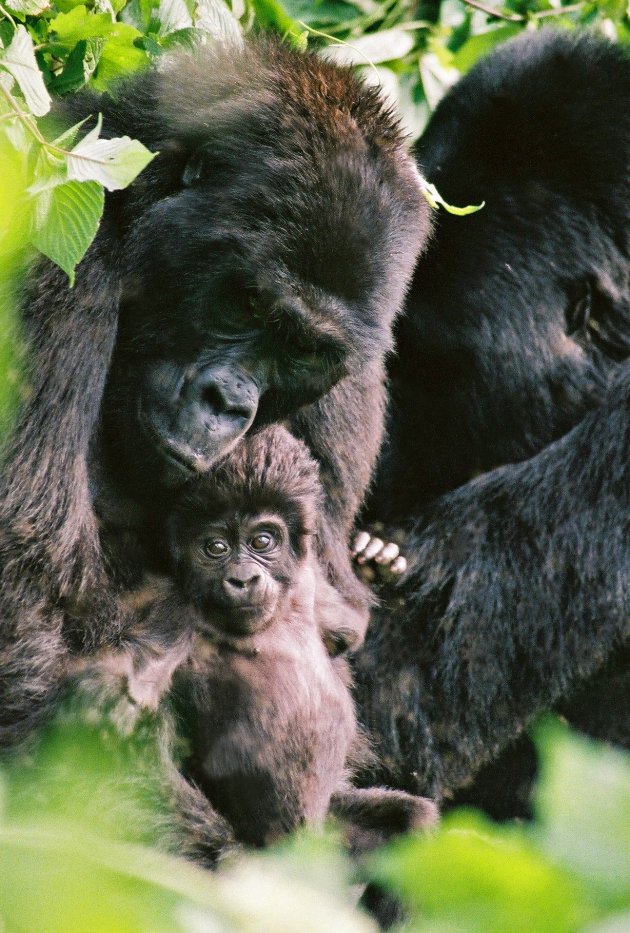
[(376, 557)]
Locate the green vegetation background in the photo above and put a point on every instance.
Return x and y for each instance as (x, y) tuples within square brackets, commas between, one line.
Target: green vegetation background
[(75, 824)]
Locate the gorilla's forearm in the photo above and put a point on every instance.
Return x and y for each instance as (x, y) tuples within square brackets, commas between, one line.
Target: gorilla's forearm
[(45, 508), (346, 453), (49, 552), (519, 590)]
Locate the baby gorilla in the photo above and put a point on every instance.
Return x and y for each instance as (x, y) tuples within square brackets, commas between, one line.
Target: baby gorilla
[(273, 730)]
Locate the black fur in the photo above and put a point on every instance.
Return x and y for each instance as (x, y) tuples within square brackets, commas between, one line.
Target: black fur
[(250, 274), (512, 351)]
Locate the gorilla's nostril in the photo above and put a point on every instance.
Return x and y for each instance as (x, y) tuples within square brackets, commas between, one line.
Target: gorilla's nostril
[(217, 399), (240, 583), (213, 399)]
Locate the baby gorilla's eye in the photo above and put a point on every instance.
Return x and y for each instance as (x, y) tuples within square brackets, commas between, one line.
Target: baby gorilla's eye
[(263, 542), (216, 547)]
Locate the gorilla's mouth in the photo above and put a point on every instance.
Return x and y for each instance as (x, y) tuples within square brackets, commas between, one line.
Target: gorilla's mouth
[(183, 459), (233, 629)]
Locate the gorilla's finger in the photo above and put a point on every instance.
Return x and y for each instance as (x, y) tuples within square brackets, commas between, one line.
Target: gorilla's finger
[(389, 553), (374, 547), (360, 542)]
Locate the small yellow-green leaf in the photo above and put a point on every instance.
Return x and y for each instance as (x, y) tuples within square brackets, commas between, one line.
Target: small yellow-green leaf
[(435, 199), (69, 28)]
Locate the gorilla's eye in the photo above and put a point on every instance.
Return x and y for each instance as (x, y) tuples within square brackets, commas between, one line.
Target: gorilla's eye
[(263, 542), (216, 547)]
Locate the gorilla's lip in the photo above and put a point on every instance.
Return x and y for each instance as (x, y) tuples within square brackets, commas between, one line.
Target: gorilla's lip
[(220, 633), (184, 460)]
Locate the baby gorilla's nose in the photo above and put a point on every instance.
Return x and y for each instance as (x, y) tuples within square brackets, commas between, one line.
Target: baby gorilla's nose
[(243, 587)]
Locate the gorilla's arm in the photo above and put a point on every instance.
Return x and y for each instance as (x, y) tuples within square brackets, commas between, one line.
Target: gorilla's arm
[(346, 452), (519, 590), (49, 554)]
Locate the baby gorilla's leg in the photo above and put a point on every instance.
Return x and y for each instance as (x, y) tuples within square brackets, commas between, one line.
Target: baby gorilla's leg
[(373, 815)]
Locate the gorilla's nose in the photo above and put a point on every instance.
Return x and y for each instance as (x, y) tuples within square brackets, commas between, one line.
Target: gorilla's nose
[(223, 393), (242, 587)]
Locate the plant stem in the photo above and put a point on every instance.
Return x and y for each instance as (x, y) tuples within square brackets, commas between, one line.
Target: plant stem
[(8, 16), (517, 17), (497, 14)]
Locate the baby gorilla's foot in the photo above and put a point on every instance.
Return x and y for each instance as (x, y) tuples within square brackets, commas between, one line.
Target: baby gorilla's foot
[(378, 558)]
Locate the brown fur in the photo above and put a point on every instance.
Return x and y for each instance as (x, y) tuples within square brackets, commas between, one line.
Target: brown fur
[(268, 714)]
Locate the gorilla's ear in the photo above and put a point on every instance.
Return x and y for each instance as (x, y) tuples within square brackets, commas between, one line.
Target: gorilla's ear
[(203, 163), (196, 167)]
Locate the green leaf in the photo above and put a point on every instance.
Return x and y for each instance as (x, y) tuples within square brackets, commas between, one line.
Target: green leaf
[(372, 49), (474, 877), (213, 17), (478, 46), (69, 136), (436, 200), (68, 223), (50, 170), (141, 13), (65, 6), (114, 163), (19, 61), (187, 38), (272, 15), (69, 28), (79, 67), (13, 239), (122, 55), (321, 12), (583, 805)]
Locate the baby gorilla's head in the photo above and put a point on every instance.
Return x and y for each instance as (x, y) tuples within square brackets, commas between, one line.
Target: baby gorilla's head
[(239, 536)]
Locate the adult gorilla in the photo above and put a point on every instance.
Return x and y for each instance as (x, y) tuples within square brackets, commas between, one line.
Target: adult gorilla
[(512, 351), (250, 275)]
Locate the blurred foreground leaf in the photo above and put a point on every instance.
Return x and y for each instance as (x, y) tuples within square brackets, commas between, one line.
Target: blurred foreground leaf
[(475, 877), (568, 872), (583, 807), (13, 240)]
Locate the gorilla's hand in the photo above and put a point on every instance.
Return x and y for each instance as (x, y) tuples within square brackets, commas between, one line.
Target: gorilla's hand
[(377, 553)]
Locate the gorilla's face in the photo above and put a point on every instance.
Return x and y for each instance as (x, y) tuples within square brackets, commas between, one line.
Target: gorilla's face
[(200, 367), (517, 321), (245, 301)]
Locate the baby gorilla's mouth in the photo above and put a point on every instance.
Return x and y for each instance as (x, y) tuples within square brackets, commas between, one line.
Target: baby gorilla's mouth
[(224, 622)]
